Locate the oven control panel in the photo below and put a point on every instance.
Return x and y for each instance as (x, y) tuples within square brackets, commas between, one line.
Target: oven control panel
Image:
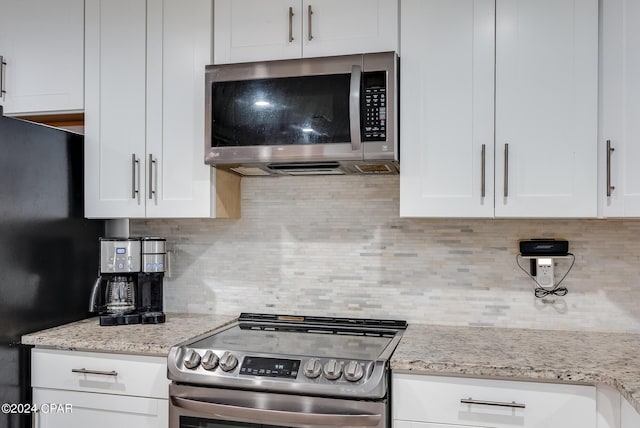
[(270, 367), (303, 369)]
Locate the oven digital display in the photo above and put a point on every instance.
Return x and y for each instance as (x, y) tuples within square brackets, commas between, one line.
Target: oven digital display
[(271, 367)]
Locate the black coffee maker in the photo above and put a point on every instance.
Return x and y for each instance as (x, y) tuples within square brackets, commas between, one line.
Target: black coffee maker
[(129, 286)]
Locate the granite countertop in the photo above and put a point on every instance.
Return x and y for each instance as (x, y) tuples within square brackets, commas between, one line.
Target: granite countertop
[(148, 339), (519, 354)]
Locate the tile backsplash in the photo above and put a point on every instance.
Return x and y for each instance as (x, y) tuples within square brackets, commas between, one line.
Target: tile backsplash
[(336, 246)]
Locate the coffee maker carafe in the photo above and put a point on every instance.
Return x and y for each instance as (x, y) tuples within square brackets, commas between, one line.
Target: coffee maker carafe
[(129, 286)]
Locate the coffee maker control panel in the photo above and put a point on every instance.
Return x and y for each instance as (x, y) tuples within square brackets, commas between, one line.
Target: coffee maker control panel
[(120, 255)]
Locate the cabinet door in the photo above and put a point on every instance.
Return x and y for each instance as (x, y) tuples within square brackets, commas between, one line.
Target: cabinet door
[(546, 108), (447, 77), (338, 27), (256, 30), (178, 48), (42, 43), (410, 424), (620, 108), (82, 409), (115, 46), (629, 417)]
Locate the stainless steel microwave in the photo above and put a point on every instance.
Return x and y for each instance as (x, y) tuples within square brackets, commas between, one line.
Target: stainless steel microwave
[(331, 115)]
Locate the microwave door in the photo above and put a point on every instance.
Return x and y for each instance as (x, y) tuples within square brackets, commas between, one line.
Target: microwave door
[(287, 119)]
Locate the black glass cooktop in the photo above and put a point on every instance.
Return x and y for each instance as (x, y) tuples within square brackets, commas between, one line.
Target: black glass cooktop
[(320, 337)]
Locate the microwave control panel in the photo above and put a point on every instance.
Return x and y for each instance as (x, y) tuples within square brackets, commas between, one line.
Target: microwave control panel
[(374, 109)]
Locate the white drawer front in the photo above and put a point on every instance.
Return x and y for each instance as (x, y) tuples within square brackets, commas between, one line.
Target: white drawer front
[(438, 400), (135, 375)]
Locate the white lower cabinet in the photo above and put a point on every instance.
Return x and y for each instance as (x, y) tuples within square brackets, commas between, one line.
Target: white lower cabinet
[(98, 410), (438, 402), (75, 389), (407, 424), (629, 417)]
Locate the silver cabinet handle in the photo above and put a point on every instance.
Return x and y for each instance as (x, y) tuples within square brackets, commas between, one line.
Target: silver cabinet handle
[(3, 63), (135, 165), (610, 150), (354, 107), (290, 24), (513, 404), (276, 416), (152, 163), (506, 170), (309, 13), (95, 372), (482, 171)]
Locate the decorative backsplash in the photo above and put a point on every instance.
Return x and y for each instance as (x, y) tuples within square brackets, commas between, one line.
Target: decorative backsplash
[(336, 246)]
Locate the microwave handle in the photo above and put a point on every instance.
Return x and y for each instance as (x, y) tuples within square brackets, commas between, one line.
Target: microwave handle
[(354, 107)]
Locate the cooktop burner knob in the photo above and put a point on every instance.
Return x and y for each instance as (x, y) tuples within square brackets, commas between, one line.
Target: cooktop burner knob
[(228, 362), (191, 359), (353, 372), (210, 360), (313, 368), (332, 370)]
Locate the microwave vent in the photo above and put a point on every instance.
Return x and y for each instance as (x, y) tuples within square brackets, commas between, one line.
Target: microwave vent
[(249, 171), (374, 169)]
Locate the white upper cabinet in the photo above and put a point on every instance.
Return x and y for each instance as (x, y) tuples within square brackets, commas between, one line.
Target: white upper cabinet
[(446, 123), (115, 108), (179, 34), (256, 30), (545, 102), (619, 184), (41, 45), (144, 118), (546, 108)]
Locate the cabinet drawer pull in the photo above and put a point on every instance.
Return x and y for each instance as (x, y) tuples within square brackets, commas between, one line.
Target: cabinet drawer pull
[(309, 13), (135, 163), (290, 24), (482, 171), (506, 170), (152, 163), (513, 404), (96, 372), (610, 150)]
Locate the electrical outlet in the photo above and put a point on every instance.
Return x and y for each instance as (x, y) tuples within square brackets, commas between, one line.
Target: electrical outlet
[(544, 272)]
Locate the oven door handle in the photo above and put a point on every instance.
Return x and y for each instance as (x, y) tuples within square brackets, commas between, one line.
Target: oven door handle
[(278, 417), (354, 107)]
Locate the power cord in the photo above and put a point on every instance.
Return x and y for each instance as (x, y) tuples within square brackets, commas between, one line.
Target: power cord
[(556, 290)]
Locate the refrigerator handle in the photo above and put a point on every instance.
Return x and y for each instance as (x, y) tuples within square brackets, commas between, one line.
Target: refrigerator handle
[(3, 63), (94, 296)]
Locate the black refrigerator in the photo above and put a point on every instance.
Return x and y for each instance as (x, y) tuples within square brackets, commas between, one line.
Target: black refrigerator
[(48, 250)]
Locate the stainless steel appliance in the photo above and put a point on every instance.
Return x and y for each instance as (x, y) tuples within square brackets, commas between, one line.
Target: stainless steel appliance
[(331, 115), (48, 251), (285, 371), (129, 287)]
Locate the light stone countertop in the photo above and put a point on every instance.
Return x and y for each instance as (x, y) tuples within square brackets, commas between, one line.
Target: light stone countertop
[(536, 355), (148, 339)]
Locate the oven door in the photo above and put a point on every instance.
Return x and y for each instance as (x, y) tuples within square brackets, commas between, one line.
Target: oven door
[(202, 407)]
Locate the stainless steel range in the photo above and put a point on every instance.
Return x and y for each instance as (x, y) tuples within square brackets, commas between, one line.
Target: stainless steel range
[(285, 371)]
